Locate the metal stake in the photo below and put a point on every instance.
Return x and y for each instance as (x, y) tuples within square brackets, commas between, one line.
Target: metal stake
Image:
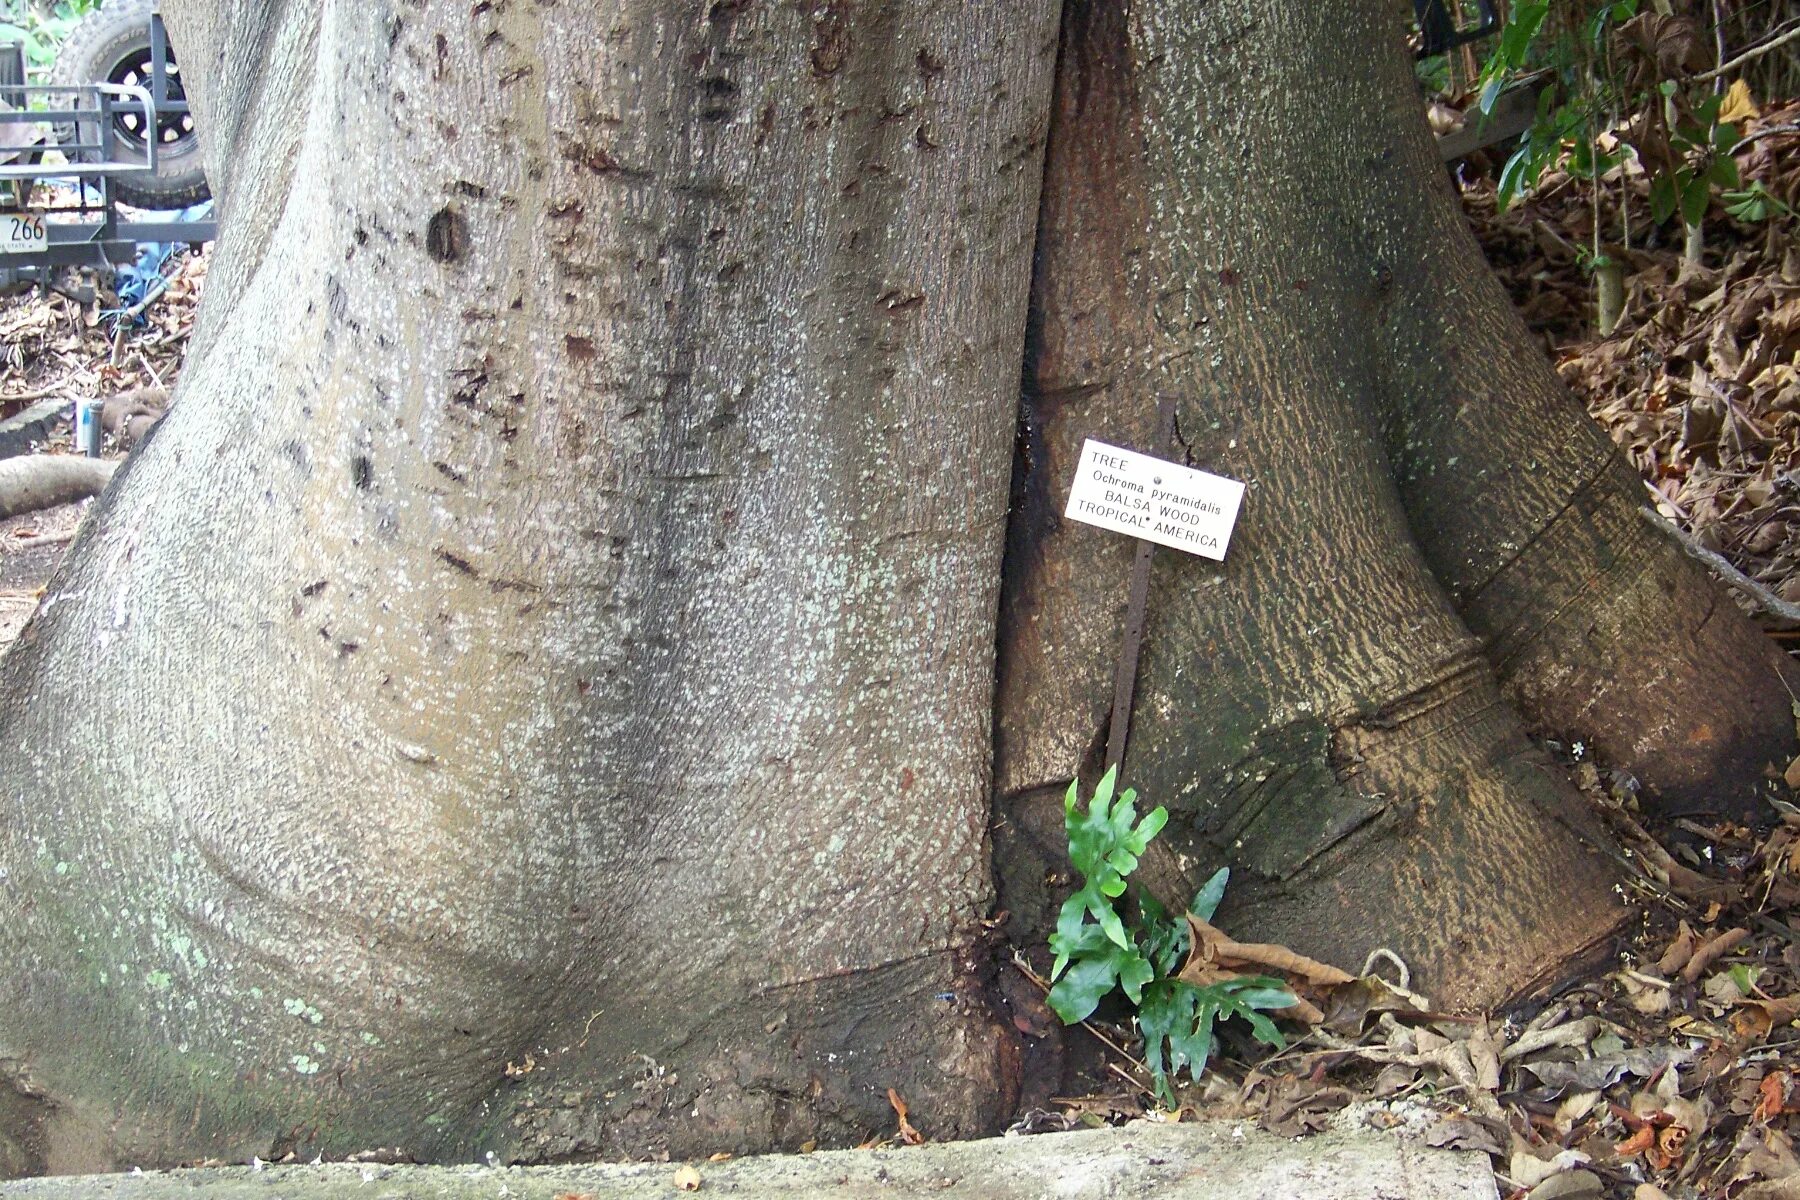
[(1125, 678)]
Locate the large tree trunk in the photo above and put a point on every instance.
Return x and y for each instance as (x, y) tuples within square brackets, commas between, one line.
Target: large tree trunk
[(1599, 627), (1313, 709), (534, 692)]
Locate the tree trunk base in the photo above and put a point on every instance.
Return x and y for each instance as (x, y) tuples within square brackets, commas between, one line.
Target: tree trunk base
[(808, 1062)]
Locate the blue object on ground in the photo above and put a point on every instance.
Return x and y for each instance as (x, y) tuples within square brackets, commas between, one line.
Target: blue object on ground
[(139, 282)]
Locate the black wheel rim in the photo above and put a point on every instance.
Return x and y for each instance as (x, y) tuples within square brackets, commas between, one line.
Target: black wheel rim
[(172, 128)]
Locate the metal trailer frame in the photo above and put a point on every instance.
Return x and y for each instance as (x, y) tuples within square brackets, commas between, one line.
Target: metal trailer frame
[(91, 233)]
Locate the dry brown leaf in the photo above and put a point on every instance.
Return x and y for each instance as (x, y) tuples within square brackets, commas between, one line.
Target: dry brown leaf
[(687, 1178), (1644, 993), (1773, 1189), (1212, 948), (1213, 957), (1738, 106), (1711, 951), (1467, 1133), (1772, 1158), (1526, 1169), (1637, 1143), (1348, 1007), (1671, 1144), (1680, 949), (1769, 1015), (907, 1134), (1771, 1097)]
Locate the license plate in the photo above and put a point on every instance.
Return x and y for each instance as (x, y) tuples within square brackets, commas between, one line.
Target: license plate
[(23, 232)]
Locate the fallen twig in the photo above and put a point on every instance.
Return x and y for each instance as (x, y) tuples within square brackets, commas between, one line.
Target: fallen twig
[(42, 393), (1754, 52), (1769, 600)]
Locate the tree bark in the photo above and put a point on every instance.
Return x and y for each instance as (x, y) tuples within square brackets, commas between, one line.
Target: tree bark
[(1313, 711), (533, 695), (536, 691), (1599, 628)]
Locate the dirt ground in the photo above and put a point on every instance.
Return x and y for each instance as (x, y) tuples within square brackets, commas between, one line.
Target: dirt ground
[(31, 546)]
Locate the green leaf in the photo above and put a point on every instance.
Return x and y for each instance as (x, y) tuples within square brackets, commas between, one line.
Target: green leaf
[(1149, 827), (1094, 974), (1134, 972), (1725, 137), (1206, 900), (1490, 92), (1167, 1007), (1754, 203), (1076, 995), (1724, 172), (1260, 994), (1074, 936), (1103, 793), (1663, 198), (1111, 925), (1516, 38), (1696, 196), (1519, 173), (1176, 1020), (1263, 1028), (1746, 206), (1166, 941)]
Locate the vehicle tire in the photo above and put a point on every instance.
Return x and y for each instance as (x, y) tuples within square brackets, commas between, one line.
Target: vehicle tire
[(12, 76), (112, 45)]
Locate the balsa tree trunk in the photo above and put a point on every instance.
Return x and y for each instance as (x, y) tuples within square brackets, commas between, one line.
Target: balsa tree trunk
[(533, 693), (536, 693), (1313, 710)]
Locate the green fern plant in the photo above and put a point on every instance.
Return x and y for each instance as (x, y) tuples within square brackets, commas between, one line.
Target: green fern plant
[(1141, 951)]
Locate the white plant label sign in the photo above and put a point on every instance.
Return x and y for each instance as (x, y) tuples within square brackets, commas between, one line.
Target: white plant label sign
[(1154, 499)]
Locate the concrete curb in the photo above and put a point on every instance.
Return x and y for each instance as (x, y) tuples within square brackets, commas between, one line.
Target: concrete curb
[(1208, 1161)]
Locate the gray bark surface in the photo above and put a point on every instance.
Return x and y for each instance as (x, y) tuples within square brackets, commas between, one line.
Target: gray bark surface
[(563, 596), (1314, 711), (1596, 625), (1171, 1162)]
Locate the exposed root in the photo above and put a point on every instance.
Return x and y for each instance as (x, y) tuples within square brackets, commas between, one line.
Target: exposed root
[(35, 482)]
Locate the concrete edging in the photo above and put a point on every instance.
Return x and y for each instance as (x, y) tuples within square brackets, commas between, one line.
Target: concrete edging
[(1203, 1161)]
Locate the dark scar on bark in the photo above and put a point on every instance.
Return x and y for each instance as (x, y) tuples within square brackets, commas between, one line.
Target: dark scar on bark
[(446, 236), (458, 562)]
